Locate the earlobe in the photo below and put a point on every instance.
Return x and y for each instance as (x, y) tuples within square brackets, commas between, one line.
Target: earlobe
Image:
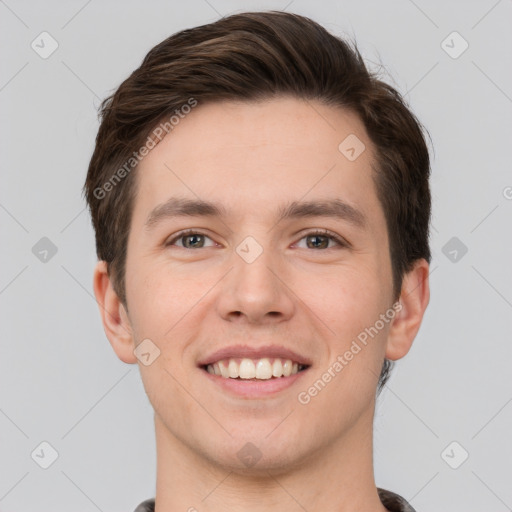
[(414, 298), (113, 315)]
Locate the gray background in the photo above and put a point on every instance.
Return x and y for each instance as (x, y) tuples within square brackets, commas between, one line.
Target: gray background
[(60, 380)]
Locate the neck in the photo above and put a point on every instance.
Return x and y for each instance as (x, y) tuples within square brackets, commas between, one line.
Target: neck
[(338, 478)]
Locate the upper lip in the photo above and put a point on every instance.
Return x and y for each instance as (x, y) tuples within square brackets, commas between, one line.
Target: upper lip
[(244, 351)]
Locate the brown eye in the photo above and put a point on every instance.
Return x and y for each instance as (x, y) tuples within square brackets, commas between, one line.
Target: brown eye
[(317, 241), (321, 240)]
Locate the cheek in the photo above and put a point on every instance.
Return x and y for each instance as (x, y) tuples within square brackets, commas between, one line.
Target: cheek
[(168, 303), (349, 305), (162, 304), (347, 298), (157, 296), (344, 385)]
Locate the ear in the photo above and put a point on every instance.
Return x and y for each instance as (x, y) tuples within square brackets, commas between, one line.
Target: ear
[(113, 315), (414, 298)]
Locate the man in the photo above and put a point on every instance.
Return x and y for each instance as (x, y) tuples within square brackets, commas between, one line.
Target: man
[(261, 207)]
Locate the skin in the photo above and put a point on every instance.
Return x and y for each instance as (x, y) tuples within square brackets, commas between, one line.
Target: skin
[(252, 158)]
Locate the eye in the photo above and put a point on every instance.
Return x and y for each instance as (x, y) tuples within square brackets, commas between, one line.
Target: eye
[(190, 240), (320, 240)]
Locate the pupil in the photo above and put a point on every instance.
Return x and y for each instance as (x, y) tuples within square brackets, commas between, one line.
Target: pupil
[(195, 239), (317, 238)]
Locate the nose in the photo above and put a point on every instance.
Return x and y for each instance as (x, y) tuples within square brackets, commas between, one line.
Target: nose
[(256, 291)]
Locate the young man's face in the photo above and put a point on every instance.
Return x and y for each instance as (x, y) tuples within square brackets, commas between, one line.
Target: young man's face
[(250, 280)]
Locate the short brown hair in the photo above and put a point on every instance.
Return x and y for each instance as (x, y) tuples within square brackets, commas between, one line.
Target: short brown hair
[(256, 56)]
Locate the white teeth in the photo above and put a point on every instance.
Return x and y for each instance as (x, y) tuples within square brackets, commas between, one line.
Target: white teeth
[(247, 369), (262, 369), (224, 371), (277, 368), (233, 369)]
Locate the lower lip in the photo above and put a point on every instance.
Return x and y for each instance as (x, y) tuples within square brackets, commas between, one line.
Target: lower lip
[(247, 388)]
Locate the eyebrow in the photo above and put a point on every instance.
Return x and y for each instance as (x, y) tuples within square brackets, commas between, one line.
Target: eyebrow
[(182, 207)]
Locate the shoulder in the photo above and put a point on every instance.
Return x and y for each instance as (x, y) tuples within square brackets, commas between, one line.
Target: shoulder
[(393, 502), (146, 506)]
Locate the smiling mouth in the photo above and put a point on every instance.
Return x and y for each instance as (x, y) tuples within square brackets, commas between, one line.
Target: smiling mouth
[(266, 368)]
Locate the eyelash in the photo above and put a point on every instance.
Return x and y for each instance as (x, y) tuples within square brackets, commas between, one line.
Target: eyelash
[(321, 232)]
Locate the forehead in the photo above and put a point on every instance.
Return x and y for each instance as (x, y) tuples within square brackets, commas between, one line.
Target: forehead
[(253, 156)]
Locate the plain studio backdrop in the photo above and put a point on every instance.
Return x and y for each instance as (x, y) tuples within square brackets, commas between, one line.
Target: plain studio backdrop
[(442, 426)]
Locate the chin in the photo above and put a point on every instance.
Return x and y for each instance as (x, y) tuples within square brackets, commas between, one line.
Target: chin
[(257, 456)]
